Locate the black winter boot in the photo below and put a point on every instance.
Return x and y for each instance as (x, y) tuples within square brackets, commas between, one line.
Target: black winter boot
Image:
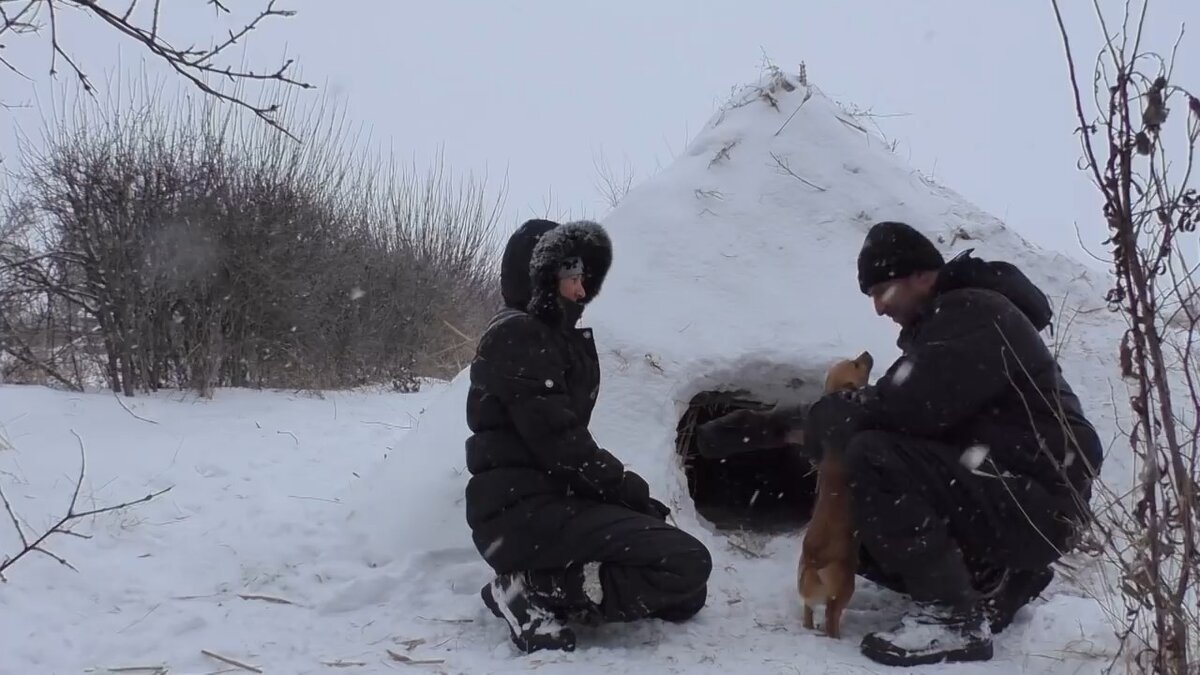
[(532, 625), (1013, 591), (930, 634)]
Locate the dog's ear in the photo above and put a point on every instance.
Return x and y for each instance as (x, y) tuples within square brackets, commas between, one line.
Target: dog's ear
[(865, 359)]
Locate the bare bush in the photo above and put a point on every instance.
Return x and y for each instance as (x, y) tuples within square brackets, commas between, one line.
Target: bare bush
[(142, 23), (1140, 157), (610, 185), (197, 251)]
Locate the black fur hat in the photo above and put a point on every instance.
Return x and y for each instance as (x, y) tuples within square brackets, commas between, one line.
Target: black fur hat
[(893, 250)]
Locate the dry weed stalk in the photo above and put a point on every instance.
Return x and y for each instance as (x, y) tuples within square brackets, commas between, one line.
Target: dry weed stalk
[(1139, 151)]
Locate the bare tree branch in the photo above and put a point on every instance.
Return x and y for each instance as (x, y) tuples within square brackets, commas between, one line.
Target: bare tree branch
[(62, 527), (192, 63)]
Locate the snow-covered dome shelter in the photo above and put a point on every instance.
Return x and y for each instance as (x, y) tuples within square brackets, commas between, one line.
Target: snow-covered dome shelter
[(732, 284)]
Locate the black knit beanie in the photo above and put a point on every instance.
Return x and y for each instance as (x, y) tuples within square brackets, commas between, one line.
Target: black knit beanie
[(894, 250)]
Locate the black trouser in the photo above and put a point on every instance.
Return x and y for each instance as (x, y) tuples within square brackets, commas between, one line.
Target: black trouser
[(648, 568), (926, 521)]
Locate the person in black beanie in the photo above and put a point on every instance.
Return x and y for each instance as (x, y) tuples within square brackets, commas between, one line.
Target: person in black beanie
[(970, 460)]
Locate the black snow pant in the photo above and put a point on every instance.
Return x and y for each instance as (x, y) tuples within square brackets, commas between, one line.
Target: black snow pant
[(647, 567), (929, 525)]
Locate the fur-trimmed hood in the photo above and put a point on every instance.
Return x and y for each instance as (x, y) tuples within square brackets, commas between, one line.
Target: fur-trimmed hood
[(529, 267)]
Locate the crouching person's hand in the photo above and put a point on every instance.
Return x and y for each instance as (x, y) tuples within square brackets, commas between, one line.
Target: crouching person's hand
[(832, 420), (658, 509), (635, 492), (745, 431)]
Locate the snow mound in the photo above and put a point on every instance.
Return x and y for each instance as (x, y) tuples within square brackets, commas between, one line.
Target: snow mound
[(733, 271)]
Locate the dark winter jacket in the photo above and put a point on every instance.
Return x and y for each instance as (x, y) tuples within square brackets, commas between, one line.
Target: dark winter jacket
[(975, 371), (534, 382)]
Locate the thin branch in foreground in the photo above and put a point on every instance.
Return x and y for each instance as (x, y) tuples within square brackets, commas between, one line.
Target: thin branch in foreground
[(191, 63), (62, 527)]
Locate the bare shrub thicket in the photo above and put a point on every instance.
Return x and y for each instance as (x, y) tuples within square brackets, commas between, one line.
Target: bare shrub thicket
[(168, 245), (1139, 145)]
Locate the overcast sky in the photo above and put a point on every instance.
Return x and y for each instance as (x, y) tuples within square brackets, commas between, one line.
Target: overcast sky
[(539, 88)]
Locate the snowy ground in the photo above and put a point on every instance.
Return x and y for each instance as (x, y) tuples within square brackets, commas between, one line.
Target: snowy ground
[(256, 479)]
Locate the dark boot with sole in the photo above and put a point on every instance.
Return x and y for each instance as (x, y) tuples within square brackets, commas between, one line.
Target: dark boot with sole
[(929, 634), (1016, 589), (531, 624)]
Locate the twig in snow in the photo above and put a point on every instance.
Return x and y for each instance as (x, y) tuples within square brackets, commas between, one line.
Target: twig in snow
[(396, 656), (135, 415), (342, 663), (853, 125), (315, 499), (807, 96), (743, 549), (723, 153), (136, 622), (447, 620), (61, 527), (388, 425), (154, 670), (232, 662), (783, 165), (288, 433), (412, 644), (265, 598)]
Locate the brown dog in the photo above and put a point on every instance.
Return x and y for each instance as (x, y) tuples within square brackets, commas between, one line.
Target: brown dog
[(829, 561)]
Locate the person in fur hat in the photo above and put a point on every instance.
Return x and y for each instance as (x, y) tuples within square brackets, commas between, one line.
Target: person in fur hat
[(571, 534)]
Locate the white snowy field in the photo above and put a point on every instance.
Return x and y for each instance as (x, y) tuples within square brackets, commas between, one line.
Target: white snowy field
[(256, 482), (734, 267)]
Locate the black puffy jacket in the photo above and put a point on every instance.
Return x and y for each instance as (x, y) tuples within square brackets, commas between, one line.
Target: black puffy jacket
[(975, 371), (534, 381)]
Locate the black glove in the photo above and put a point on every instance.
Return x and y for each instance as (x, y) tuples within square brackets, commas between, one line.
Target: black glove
[(833, 420), (658, 509), (745, 431)]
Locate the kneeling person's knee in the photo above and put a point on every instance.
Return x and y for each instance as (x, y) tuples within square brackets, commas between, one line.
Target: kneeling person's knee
[(688, 567), (867, 453), (869, 461), (690, 559)]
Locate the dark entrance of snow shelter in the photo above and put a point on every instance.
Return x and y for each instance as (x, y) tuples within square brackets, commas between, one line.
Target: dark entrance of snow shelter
[(770, 490)]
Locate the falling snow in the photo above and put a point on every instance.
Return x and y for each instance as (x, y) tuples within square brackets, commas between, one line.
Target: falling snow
[(973, 457)]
